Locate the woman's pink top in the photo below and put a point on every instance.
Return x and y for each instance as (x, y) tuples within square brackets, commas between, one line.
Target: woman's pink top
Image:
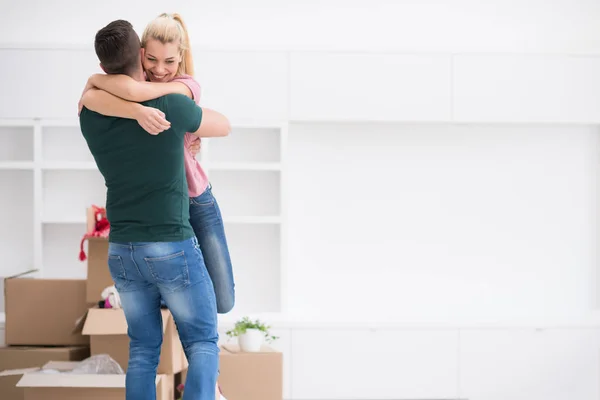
[(196, 177)]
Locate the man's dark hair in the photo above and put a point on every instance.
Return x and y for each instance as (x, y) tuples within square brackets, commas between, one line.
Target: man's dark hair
[(118, 47)]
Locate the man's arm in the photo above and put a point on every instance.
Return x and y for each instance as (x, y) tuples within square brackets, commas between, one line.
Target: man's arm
[(213, 124), (128, 88), (186, 116)]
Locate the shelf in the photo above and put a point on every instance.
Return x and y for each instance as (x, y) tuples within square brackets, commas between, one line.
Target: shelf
[(10, 123), (54, 165), (68, 220), (70, 165), (16, 165), (331, 321), (91, 165), (252, 220), (257, 124), (282, 321), (60, 122), (212, 166), (74, 123)]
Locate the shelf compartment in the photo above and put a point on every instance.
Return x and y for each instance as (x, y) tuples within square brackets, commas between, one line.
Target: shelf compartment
[(60, 256), (16, 143), (64, 144), (247, 145), (247, 193), (16, 230), (68, 193), (255, 256)]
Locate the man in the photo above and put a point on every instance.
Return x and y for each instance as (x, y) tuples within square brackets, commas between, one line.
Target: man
[(153, 253)]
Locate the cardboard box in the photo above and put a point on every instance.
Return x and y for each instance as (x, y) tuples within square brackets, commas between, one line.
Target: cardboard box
[(8, 383), (16, 361), (19, 357), (38, 385), (98, 274), (107, 329), (251, 376), (166, 388), (42, 312)]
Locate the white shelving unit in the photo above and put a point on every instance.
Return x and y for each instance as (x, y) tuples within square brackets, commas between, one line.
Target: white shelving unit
[(48, 166), (251, 162)]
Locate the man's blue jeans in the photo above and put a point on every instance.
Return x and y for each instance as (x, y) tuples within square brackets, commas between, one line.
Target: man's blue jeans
[(145, 273)]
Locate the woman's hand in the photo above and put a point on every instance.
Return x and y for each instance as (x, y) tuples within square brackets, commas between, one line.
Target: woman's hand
[(194, 147), (152, 120)]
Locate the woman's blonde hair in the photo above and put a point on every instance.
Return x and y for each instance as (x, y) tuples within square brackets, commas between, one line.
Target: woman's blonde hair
[(170, 28)]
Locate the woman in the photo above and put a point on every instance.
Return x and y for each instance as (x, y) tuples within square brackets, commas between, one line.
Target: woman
[(168, 64)]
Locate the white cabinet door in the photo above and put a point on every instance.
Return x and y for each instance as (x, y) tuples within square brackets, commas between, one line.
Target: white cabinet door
[(529, 364), (370, 87), (44, 83), (526, 88), (245, 86), (367, 364)]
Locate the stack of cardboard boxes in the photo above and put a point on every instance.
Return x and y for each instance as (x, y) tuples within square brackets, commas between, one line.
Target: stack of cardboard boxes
[(53, 324), (43, 318)]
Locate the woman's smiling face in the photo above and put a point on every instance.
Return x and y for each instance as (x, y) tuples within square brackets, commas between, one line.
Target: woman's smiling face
[(161, 60)]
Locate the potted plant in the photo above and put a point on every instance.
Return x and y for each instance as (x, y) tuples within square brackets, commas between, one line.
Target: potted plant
[(251, 334)]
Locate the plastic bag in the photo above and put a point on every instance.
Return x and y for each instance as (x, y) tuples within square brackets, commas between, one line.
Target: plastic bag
[(98, 364)]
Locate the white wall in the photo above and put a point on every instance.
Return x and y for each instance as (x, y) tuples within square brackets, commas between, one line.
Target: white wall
[(415, 26)]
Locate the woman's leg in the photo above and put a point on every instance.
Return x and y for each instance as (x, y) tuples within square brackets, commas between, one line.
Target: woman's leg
[(206, 219)]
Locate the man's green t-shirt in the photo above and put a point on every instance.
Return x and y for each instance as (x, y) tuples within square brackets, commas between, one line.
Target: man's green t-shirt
[(147, 194)]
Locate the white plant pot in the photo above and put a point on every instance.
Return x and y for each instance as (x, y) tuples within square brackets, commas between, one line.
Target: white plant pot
[(251, 341)]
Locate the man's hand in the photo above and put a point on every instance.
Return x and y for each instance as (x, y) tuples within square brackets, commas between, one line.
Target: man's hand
[(194, 148), (152, 120)]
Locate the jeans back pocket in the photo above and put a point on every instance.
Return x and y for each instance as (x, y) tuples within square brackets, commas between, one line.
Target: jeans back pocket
[(117, 271), (170, 271)]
